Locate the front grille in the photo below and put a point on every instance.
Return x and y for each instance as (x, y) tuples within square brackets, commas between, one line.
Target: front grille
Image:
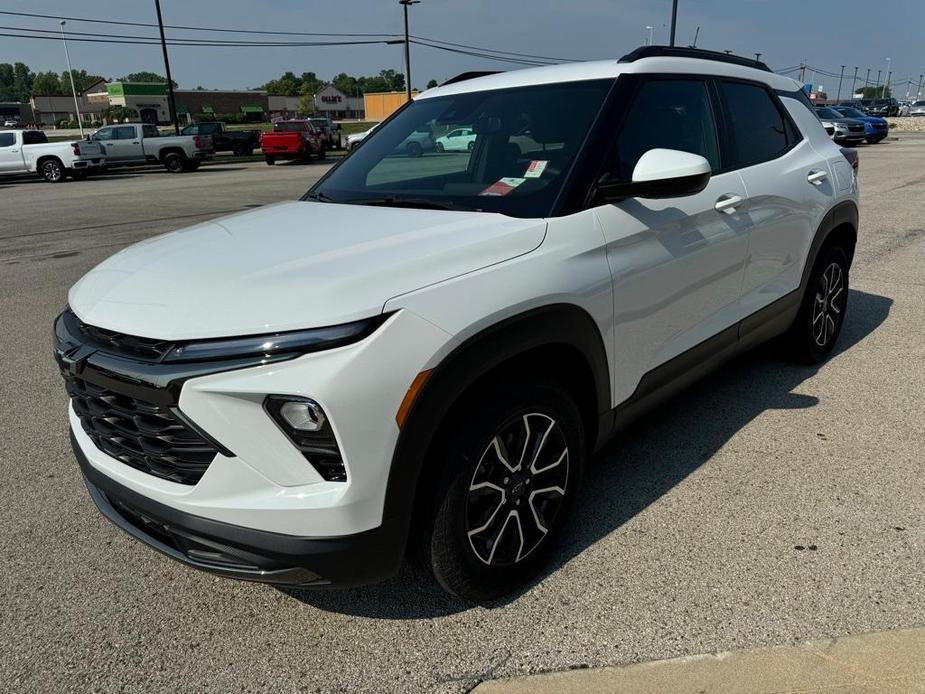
[(148, 437), (121, 344), (856, 128)]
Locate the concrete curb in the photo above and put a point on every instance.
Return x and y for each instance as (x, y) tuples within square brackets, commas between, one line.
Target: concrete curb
[(891, 661)]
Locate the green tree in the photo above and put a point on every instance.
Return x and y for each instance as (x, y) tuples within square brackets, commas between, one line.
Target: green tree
[(312, 83), (82, 80), (145, 76), (287, 85), (6, 82), (880, 91), (47, 84), (22, 82), (432, 84)]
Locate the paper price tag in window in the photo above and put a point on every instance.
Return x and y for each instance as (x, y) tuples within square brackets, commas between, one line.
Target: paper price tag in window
[(502, 186), (536, 168)]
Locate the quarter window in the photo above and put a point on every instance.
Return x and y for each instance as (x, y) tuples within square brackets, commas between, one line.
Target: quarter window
[(125, 132), (757, 129), (7, 139), (669, 114)]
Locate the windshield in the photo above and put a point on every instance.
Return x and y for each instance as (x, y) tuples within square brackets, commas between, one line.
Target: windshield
[(506, 150), (290, 126), (828, 113), (851, 112)]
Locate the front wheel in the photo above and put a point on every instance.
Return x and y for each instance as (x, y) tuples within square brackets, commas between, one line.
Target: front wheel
[(322, 154), (818, 324), (270, 160), (174, 163), (52, 171), (439, 147), (414, 149), (510, 474)]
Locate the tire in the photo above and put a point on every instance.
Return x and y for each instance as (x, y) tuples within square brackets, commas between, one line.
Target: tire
[(270, 160), (78, 175), (414, 149), (191, 165), (242, 151), (52, 170), (467, 542), (439, 147), (818, 324), (470, 146), (174, 163), (322, 155)]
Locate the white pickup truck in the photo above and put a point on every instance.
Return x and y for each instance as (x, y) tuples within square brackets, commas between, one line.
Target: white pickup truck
[(133, 144), (29, 151)]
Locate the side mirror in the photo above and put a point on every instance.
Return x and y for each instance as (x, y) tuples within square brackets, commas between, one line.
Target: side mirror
[(660, 173)]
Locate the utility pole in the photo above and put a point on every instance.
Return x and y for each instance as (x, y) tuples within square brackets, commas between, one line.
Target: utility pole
[(802, 73), (674, 21), (854, 81), (405, 4), (70, 73), (878, 81), (171, 103), (838, 97), (887, 87), (867, 79), (918, 93)]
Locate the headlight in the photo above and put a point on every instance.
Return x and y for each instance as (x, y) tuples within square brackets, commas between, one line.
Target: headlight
[(276, 344)]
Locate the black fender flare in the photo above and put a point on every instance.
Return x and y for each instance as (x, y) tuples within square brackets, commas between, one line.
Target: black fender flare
[(549, 326), (844, 213)]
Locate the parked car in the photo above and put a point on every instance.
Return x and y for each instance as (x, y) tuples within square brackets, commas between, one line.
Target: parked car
[(329, 130), (417, 143), (292, 139), (353, 139), (457, 140), (883, 107), (241, 142), (875, 128), (11, 123), (917, 108), (418, 359), (28, 151), (135, 144), (844, 130)]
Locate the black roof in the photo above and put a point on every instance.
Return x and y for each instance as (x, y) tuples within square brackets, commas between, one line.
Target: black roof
[(700, 53)]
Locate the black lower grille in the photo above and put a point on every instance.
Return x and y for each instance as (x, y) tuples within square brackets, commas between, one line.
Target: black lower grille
[(145, 436)]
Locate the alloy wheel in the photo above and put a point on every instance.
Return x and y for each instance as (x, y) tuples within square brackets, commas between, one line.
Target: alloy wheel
[(828, 304), (517, 489), (52, 171)]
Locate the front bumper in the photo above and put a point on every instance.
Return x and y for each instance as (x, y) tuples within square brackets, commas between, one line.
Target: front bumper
[(244, 553)]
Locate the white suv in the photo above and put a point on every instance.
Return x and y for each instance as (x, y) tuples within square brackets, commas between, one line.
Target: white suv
[(420, 356)]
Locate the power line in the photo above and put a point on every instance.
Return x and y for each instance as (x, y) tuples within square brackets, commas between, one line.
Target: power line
[(188, 28), (492, 50), (145, 41), (518, 61)]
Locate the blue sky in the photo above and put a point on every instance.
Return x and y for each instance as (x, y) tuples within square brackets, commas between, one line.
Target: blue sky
[(784, 31)]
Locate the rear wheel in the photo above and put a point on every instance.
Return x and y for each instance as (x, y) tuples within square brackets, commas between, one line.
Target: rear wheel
[(242, 151), (322, 154), (52, 170), (270, 160), (439, 146), (470, 146), (510, 476), (174, 163), (414, 149), (817, 326), (191, 165), (78, 175)]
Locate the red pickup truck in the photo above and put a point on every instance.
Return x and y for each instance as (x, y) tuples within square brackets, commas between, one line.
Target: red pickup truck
[(292, 139)]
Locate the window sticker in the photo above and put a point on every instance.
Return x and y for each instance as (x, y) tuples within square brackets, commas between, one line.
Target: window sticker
[(536, 168), (502, 186)]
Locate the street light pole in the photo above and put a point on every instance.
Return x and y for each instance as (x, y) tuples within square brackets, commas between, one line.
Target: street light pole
[(70, 73), (838, 97), (889, 74), (674, 21), (651, 38), (854, 82), (171, 102), (405, 4), (867, 79)]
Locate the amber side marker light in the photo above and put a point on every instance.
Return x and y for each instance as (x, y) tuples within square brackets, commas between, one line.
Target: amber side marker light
[(410, 397)]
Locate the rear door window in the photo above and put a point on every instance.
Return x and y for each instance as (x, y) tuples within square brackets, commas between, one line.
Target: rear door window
[(757, 129), (149, 131), (124, 132), (34, 137), (7, 139)]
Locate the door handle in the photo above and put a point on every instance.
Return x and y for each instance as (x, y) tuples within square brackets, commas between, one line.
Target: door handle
[(727, 203), (134, 143), (817, 176)]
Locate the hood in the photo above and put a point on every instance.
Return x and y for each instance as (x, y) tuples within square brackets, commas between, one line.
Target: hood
[(290, 266)]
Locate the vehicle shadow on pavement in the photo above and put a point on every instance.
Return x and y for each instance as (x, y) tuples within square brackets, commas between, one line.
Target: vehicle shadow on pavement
[(638, 467)]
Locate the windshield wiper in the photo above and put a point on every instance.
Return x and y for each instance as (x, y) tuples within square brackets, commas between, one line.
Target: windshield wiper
[(422, 203), (318, 197)]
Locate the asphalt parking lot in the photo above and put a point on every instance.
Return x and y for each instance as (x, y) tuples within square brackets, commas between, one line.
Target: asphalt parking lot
[(770, 504)]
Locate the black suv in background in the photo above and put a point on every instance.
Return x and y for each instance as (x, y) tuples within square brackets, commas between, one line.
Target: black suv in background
[(883, 107)]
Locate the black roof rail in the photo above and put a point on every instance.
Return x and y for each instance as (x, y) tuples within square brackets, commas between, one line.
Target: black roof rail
[(463, 76), (702, 54)]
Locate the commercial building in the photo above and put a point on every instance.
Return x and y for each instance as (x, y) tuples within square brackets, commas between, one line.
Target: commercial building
[(48, 110), (330, 102), (150, 101)]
